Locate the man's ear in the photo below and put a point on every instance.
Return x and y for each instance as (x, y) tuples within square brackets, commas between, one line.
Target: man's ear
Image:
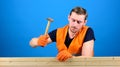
[(68, 17), (85, 22)]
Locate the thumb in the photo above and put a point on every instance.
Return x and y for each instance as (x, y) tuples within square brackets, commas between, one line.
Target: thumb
[(46, 36)]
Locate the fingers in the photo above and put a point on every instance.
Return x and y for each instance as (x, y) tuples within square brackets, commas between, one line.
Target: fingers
[(43, 43), (43, 40), (47, 36), (60, 56), (63, 56)]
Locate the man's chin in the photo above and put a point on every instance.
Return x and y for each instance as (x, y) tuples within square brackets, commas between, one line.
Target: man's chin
[(73, 31)]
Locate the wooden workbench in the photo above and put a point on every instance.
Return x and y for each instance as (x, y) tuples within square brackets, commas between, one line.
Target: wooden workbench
[(52, 62)]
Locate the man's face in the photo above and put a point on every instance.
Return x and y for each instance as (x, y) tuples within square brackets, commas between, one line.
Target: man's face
[(76, 22)]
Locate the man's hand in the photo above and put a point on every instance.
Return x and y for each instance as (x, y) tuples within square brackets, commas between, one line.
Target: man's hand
[(63, 55), (41, 41)]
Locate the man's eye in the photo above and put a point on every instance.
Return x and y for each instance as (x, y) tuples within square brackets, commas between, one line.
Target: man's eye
[(73, 20), (79, 22)]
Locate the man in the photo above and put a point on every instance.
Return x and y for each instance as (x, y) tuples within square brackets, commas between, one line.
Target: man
[(73, 40)]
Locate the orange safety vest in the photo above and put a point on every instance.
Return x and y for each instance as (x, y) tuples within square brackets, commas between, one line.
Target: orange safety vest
[(75, 46)]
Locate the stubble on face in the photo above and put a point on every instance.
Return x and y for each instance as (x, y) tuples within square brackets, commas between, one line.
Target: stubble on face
[(75, 22), (73, 29)]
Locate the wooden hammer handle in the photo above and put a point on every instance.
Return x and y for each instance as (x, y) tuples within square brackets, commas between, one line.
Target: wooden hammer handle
[(47, 27)]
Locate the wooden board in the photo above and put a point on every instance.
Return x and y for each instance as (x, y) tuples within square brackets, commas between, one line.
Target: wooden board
[(52, 62)]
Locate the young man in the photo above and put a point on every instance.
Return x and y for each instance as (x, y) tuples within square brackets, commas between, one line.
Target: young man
[(75, 39)]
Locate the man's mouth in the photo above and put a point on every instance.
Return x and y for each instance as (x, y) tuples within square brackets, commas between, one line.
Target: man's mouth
[(73, 27)]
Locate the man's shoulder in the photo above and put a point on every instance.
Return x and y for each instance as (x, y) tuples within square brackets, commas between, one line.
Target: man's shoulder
[(89, 35), (90, 29)]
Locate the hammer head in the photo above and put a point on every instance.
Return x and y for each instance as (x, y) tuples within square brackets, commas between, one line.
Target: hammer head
[(50, 19)]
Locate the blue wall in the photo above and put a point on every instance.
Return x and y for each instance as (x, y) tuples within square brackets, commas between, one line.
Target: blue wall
[(20, 20)]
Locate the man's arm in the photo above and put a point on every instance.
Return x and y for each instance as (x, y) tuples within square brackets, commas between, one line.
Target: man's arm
[(88, 49), (51, 38)]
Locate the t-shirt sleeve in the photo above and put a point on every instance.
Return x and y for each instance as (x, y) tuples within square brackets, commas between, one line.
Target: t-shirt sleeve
[(89, 35), (52, 35)]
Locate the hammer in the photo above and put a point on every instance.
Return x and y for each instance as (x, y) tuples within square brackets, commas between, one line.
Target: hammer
[(48, 24)]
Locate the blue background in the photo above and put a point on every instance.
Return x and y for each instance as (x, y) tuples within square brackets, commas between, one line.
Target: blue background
[(21, 20)]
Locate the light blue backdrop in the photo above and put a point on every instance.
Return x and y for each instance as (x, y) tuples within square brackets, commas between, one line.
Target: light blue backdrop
[(20, 20)]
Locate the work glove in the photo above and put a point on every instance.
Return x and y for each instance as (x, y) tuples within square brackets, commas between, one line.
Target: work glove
[(43, 40), (63, 55)]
